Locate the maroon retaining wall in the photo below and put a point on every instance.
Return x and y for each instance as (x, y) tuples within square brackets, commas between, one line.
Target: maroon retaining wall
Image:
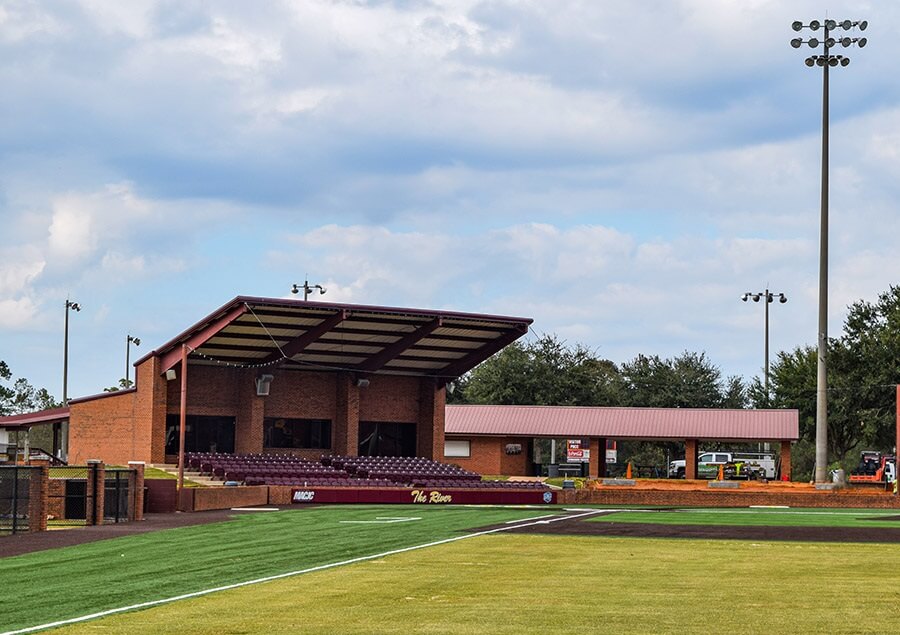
[(410, 496), (162, 495)]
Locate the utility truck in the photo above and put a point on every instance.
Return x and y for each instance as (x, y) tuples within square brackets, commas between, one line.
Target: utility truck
[(735, 465)]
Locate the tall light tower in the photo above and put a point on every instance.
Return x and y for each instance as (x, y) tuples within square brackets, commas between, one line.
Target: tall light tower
[(768, 297), (128, 342), (74, 306), (826, 60)]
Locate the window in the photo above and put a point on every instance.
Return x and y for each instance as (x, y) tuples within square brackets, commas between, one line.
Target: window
[(297, 433), (457, 449)]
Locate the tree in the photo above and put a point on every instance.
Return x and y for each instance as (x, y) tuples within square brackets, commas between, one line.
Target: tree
[(687, 381), (863, 370), (22, 397), (544, 372)]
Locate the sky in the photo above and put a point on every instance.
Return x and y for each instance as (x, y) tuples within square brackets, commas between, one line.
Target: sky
[(621, 172)]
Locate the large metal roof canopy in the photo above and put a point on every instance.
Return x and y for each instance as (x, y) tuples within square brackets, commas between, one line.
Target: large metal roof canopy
[(651, 424), (306, 335)]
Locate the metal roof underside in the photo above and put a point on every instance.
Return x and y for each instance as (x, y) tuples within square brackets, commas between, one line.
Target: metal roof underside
[(675, 424), (307, 335)]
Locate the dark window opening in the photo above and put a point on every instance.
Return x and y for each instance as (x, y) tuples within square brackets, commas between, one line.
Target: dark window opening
[(201, 434), (387, 438), (297, 433)]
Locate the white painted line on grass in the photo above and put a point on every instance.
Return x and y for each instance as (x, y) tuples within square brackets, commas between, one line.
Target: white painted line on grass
[(380, 520), (289, 574), (523, 520), (254, 509)]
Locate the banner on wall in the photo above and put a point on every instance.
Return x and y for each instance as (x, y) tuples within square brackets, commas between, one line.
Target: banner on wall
[(424, 496)]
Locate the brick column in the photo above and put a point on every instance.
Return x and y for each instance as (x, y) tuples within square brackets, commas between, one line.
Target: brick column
[(137, 489), (598, 458), (345, 430), (430, 429), (96, 492), (690, 459), (38, 495), (248, 424), (786, 460)]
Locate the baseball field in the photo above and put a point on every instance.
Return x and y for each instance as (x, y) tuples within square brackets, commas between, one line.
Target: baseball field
[(404, 569)]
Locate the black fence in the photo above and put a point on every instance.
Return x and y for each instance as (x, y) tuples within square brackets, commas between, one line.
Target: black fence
[(16, 497), (118, 495), (71, 493)]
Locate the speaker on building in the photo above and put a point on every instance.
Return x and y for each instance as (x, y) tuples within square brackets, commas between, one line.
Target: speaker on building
[(263, 382)]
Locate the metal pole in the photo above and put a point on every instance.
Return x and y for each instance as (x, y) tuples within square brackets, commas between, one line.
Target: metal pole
[(768, 299), (182, 421), (127, 356), (822, 371), (306, 289), (65, 395)]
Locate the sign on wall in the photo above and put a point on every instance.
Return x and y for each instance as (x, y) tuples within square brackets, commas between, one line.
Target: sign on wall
[(577, 451)]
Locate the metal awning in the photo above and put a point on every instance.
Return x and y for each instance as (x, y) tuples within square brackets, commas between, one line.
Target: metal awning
[(659, 424), (308, 335), (25, 421)]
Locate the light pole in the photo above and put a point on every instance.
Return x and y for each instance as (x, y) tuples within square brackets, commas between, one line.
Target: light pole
[(768, 297), (128, 342), (826, 60), (75, 307), (307, 289)]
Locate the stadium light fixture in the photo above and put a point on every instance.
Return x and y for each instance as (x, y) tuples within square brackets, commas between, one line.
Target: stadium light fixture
[(825, 60), (768, 297), (307, 289)]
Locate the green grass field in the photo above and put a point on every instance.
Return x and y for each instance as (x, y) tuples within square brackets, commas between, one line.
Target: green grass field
[(498, 583)]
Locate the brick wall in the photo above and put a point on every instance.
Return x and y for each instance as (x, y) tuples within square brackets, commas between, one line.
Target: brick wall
[(105, 428), (484, 455), (390, 398), (206, 498), (621, 495), (131, 425)]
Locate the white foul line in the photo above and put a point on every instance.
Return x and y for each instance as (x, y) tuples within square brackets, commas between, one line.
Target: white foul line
[(237, 585)]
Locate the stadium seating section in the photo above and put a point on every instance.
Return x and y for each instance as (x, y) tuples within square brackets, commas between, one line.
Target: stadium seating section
[(341, 471)]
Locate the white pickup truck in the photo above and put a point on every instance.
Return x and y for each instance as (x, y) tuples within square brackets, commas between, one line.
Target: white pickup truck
[(737, 465)]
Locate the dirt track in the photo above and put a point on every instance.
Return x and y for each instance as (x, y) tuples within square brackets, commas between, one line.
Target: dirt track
[(585, 527)]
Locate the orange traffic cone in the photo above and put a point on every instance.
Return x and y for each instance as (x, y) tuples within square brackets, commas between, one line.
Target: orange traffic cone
[(721, 473), (628, 470)]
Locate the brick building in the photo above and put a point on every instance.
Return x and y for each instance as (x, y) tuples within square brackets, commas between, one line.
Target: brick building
[(288, 376)]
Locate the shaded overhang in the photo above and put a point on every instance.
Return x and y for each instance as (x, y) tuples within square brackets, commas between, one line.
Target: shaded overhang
[(25, 421), (307, 335), (652, 424)]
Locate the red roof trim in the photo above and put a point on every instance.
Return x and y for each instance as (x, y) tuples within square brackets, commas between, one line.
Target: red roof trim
[(103, 395), (29, 419)]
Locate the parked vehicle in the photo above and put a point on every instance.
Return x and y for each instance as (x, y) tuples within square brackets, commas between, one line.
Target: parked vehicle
[(735, 465)]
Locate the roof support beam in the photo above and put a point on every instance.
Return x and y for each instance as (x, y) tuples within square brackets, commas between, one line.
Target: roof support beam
[(302, 341), (470, 361), (173, 357), (378, 361)]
